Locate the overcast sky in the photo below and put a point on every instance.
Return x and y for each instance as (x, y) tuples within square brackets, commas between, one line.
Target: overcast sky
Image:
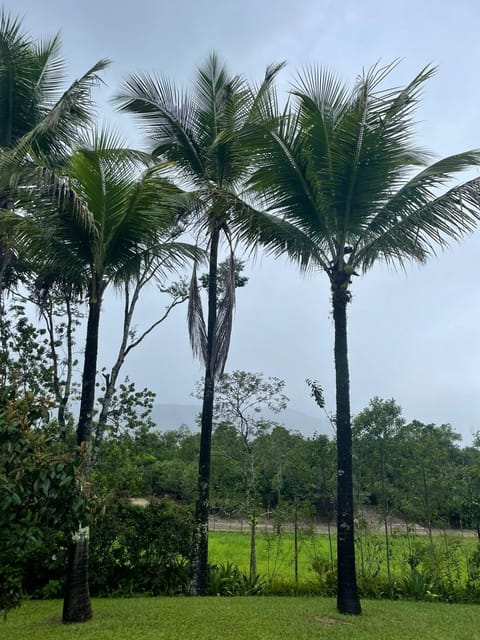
[(413, 336)]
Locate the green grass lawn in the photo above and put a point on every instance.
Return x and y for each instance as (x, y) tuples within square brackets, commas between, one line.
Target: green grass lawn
[(259, 618), (275, 558)]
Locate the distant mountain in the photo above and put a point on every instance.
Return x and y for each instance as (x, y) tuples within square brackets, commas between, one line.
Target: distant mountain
[(173, 416)]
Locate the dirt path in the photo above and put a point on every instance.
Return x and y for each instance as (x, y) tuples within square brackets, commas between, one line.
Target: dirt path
[(369, 516)]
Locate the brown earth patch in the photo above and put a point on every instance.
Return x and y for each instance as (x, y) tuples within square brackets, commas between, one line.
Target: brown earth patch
[(330, 621)]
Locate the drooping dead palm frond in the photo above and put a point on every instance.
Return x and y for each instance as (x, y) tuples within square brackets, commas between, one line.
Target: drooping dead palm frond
[(224, 320), (197, 329)]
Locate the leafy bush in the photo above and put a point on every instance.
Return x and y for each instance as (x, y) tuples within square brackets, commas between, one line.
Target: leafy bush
[(41, 503), (137, 549), (327, 576)]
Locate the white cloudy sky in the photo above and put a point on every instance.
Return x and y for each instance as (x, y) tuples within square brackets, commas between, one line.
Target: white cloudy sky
[(413, 336)]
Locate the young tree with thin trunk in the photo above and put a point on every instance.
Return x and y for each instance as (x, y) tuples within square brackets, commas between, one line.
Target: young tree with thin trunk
[(374, 431), (241, 399)]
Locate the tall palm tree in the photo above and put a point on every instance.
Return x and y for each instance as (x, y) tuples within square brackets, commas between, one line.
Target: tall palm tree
[(201, 134), (39, 118), (95, 228), (346, 187)]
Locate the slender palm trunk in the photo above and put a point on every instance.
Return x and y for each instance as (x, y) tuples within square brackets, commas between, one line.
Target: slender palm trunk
[(87, 400), (348, 600), (65, 396), (199, 555), (77, 605)]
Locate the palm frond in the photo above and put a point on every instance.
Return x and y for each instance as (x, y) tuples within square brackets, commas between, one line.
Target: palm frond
[(278, 236), (51, 69), (424, 223), (103, 218), (224, 321), (197, 330), (284, 181), (263, 99), (169, 117)]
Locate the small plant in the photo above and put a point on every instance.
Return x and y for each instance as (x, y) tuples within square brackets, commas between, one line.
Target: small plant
[(327, 576), (228, 580)]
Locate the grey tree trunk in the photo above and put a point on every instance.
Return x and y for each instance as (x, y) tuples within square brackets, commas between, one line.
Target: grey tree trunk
[(77, 604)]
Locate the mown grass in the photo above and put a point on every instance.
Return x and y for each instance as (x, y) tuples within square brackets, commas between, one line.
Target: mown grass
[(261, 618)]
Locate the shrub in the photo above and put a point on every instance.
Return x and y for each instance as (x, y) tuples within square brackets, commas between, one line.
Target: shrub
[(137, 549), (40, 499), (327, 576)]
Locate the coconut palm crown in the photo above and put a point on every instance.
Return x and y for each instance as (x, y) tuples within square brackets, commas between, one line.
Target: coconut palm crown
[(344, 186), (39, 117)]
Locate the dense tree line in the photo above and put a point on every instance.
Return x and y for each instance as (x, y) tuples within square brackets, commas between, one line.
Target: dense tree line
[(334, 181), (415, 473)]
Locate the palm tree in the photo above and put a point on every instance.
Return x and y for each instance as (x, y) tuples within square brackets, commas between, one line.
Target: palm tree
[(95, 228), (201, 134), (341, 180), (38, 118)]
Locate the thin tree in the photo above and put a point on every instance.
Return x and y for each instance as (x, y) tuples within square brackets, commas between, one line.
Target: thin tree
[(336, 178), (201, 134), (374, 430)]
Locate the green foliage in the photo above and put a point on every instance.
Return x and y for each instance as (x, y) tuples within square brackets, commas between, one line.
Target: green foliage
[(146, 463), (137, 549), (223, 275), (449, 572), (41, 503), (24, 361), (38, 114), (130, 409), (327, 576), (226, 579)]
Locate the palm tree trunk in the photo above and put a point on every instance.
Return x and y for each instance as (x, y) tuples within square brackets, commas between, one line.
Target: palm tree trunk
[(87, 400), (77, 605), (348, 600), (199, 554)]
